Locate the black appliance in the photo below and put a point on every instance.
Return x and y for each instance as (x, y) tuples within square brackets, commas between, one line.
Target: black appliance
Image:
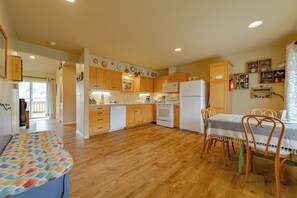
[(23, 106)]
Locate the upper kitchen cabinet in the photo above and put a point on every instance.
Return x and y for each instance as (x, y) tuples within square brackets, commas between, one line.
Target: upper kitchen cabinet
[(113, 80), (180, 77), (103, 79), (97, 78), (220, 71), (144, 84), (158, 82)]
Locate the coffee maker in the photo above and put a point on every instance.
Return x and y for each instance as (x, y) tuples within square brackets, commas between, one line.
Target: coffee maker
[(148, 99)]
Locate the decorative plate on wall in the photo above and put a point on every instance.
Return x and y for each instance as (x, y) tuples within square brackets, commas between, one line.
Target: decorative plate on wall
[(104, 64), (132, 69), (95, 61), (119, 67)]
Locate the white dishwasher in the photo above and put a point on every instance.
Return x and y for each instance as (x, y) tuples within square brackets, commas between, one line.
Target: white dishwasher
[(117, 117)]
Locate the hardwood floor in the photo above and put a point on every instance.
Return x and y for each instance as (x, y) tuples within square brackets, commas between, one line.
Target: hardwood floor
[(153, 161)]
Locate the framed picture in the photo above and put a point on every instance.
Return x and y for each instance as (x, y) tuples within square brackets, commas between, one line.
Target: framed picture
[(3, 53), (128, 85)]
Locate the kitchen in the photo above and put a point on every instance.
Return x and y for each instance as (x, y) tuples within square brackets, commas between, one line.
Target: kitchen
[(139, 74), (128, 98)]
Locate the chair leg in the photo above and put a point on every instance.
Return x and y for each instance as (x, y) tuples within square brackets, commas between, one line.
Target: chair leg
[(248, 166), (223, 154), (204, 146), (282, 171), (252, 161), (210, 144), (228, 149), (277, 176), (215, 143), (233, 147)]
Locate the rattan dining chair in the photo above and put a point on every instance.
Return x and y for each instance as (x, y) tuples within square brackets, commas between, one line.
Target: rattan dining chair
[(264, 112), (208, 140), (274, 128)]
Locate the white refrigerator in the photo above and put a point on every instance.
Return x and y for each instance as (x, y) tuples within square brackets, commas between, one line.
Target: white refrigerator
[(192, 100)]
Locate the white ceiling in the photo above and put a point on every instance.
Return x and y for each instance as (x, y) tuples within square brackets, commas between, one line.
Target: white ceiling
[(40, 64), (145, 32)]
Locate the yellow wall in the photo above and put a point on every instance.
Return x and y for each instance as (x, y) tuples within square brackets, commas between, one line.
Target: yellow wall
[(69, 94), (242, 103)]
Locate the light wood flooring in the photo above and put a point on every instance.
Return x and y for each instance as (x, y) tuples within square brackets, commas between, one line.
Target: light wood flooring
[(153, 161)]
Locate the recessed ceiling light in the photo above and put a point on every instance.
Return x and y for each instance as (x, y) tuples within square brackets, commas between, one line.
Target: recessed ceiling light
[(130, 75), (255, 24), (52, 43), (32, 57), (71, 1), (177, 49)]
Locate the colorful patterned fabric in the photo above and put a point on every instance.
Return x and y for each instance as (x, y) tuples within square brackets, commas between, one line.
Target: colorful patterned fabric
[(30, 160)]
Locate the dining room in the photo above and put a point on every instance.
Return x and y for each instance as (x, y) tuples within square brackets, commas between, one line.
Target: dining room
[(264, 133)]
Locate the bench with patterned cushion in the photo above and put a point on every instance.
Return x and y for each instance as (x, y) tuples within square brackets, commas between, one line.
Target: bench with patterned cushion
[(31, 160)]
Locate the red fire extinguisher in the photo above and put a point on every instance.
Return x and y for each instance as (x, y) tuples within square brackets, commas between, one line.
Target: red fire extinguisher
[(231, 85)]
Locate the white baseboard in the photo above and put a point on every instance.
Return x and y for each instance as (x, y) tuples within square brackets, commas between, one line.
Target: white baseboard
[(67, 123), (81, 134)]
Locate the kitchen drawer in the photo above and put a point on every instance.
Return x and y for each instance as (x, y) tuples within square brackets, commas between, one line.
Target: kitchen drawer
[(99, 129), (100, 108), (99, 113), (100, 119)]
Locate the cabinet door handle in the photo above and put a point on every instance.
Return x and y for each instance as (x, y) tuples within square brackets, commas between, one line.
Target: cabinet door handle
[(99, 119), (100, 113), (99, 108), (99, 127)]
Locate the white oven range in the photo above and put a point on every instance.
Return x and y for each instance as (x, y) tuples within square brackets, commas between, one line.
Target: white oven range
[(165, 115)]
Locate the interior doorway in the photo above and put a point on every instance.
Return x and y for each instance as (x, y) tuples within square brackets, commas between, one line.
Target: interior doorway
[(35, 94)]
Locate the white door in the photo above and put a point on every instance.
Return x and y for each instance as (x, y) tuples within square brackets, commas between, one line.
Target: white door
[(192, 88), (190, 115)]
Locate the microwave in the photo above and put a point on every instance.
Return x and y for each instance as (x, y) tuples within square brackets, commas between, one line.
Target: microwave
[(170, 87)]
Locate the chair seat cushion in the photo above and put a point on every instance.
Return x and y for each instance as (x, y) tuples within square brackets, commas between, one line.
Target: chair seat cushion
[(271, 148)]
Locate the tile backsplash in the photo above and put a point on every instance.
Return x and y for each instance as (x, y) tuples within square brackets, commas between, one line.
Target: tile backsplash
[(124, 97)]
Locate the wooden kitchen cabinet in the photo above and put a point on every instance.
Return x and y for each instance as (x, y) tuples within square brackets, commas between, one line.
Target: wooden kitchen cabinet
[(113, 80), (99, 120), (130, 116), (138, 114), (158, 82), (144, 84), (220, 71), (179, 77), (97, 78), (150, 113), (219, 86), (154, 119), (104, 79), (176, 116)]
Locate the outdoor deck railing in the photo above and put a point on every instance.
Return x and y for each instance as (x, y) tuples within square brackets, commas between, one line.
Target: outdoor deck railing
[(39, 106)]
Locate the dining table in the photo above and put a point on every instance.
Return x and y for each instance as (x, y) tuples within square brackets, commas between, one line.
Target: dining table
[(229, 127)]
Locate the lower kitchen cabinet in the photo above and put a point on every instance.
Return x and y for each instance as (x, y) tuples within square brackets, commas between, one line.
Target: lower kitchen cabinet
[(138, 114), (176, 116), (99, 121)]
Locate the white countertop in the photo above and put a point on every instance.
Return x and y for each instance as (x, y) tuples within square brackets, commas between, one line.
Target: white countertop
[(115, 104)]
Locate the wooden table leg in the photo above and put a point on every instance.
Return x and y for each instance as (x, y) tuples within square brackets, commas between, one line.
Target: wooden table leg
[(27, 120), (241, 158)]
